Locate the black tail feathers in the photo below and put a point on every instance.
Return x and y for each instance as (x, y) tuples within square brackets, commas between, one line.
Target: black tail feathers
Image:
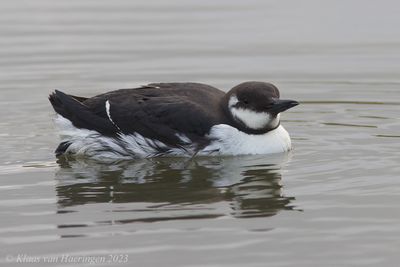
[(81, 116)]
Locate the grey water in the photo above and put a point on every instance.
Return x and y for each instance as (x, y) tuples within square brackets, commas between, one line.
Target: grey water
[(332, 201)]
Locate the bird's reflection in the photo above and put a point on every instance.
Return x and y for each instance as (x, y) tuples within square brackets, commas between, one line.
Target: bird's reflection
[(250, 185)]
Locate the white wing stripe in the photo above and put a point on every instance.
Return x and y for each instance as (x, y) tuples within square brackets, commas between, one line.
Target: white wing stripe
[(109, 114)]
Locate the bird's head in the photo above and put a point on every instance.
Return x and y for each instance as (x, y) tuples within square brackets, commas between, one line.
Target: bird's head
[(256, 106)]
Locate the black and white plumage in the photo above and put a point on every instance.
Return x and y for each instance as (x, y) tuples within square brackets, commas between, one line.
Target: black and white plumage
[(173, 119)]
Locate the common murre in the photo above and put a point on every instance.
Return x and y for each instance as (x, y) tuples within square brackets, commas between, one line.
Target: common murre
[(177, 119)]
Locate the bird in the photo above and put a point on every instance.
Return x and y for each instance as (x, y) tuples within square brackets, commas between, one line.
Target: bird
[(172, 119)]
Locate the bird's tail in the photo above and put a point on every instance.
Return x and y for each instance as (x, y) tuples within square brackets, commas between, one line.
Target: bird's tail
[(72, 109)]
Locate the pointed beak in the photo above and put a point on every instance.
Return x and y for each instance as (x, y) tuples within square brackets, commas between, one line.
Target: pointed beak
[(282, 105)]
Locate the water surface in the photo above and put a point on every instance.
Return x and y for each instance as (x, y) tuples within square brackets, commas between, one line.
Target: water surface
[(332, 201)]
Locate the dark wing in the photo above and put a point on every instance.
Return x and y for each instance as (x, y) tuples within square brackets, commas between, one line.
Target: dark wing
[(163, 111), (160, 111)]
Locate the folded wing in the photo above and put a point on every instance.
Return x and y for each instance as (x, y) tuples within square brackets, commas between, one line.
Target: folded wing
[(171, 113)]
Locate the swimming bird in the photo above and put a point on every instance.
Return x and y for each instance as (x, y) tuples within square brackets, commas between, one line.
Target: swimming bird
[(172, 119)]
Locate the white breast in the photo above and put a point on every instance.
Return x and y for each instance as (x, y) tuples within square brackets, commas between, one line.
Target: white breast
[(230, 141)]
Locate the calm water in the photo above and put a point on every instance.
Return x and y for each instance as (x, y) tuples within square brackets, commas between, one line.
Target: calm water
[(333, 201)]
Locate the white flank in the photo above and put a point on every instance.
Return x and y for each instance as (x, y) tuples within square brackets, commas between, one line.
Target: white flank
[(91, 143)]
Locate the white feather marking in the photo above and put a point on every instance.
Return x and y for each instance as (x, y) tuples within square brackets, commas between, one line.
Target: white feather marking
[(108, 106), (184, 139), (233, 101), (252, 119)]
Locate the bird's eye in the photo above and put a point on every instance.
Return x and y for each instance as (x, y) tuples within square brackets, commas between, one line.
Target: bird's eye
[(245, 101)]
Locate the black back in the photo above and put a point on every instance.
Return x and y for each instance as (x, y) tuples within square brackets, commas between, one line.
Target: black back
[(157, 111)]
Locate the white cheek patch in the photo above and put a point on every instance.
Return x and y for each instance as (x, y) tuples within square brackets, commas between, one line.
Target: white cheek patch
[(252, 119)]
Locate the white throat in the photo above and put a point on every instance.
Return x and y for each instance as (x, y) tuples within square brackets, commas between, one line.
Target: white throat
[(252, 119)]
